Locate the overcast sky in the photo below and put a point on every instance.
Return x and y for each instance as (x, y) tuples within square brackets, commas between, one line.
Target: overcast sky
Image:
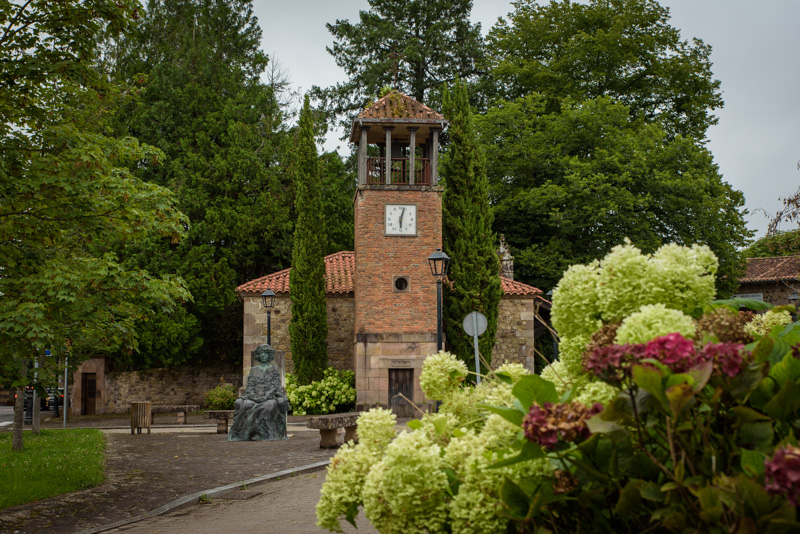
[(755, 55)]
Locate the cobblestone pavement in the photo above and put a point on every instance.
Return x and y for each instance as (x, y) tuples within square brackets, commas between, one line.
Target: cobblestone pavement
[(145, 471), (283, 507)]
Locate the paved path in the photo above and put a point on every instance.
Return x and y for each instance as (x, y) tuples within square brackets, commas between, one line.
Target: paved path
[(283, 507)]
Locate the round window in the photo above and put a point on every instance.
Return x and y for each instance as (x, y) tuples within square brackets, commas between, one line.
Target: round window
[(400, 283)]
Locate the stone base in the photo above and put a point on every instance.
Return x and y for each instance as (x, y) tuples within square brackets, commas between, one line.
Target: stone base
[(328, 438)]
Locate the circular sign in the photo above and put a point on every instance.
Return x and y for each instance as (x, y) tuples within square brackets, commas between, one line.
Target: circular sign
[(476, 319)]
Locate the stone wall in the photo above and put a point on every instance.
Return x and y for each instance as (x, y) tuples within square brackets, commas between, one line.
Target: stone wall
[(181, 385), (514, 338), (777, 292), (340, 330)]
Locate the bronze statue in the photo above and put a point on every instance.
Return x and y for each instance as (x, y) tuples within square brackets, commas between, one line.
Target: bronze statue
[(261, 413)]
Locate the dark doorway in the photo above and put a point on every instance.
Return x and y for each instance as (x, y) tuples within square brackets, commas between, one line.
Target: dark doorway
[(401, 381), (88, 393)]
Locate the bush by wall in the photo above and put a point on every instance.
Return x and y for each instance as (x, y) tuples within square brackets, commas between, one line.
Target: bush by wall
[(334, 393)]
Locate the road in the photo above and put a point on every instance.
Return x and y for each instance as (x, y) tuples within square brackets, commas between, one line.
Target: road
[(6, 416)]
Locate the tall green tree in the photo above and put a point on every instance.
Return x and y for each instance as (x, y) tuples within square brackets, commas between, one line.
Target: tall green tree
[(413, 46), (308, 328), (623, 49), (67, 199), (227, 144), (338, 179), (467, 233), (568, 185)]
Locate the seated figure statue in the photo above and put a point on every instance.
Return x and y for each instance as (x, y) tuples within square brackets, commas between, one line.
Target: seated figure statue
[(261, 413)]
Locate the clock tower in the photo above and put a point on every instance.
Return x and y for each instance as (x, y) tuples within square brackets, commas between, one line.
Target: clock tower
[(398, 224)]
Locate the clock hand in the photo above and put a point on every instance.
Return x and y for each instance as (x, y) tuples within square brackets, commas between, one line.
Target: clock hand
[(401, 218)]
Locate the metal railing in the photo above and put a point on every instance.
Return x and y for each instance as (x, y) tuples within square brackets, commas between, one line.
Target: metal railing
[(376, 171)]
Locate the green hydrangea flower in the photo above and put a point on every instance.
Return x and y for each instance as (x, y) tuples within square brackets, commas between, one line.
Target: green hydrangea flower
[(575, 301), (762, 324), (441, 374)]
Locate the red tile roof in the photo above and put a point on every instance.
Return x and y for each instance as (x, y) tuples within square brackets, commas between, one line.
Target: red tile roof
[(339, 270), (772, 269), (396, 105)]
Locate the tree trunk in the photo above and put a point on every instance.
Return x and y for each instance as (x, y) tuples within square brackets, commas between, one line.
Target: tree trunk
[(19, 418)]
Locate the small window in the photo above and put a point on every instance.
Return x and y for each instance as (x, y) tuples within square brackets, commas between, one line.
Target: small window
[(400, 283)]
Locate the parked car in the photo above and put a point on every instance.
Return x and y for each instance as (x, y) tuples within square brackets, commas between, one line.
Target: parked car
[(44, 402)]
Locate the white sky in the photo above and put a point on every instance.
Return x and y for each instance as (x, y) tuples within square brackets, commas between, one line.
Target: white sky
[(755, 55)]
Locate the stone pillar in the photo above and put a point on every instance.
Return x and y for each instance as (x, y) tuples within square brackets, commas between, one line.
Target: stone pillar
[(435, 156), (362, 156), (412, 149), (388, 130)]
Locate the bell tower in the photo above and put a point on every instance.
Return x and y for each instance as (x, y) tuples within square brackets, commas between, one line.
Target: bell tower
[(398, 224)]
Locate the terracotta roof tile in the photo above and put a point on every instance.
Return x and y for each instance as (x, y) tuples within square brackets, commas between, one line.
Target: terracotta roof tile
[(396, 105), (339, 270), (772, 269)]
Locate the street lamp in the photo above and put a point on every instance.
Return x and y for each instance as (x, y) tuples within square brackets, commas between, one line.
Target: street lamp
[(268, 300), (439, 262)]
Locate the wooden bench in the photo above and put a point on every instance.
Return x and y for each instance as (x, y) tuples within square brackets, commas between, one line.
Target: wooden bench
[(328, 426), (180, 409), (222, 417), (141, 416)]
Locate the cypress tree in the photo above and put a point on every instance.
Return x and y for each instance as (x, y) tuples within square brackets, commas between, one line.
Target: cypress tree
[(467, 233), (309, 326)]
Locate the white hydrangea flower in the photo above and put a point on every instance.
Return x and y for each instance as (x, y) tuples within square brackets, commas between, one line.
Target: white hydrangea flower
[(575, 301), (570, 353), (441, 374), (625, 282), (652, 321), (763, 323)]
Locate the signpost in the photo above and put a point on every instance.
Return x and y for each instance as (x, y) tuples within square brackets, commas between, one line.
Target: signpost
[(475, 324)]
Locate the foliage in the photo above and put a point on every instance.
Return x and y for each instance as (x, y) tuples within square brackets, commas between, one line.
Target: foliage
[(227, 143), (222, 397), (412, 46), (622, 49), (790, 212), (785, 243), (338, 189), (699, 434), (309, 326), (54, 462), (569, 185), (336, 392), (467, 235), (69, 202)]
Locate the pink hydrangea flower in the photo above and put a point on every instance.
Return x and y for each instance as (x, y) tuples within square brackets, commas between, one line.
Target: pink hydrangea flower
[(728, 358), (548, 423), (782, 473), (612, 363), (674, 351)]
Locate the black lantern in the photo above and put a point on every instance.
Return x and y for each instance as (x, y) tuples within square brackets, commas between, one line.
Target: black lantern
[(268, 300), (439, 262)]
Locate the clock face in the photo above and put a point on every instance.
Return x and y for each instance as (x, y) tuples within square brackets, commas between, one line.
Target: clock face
[(401, 219)]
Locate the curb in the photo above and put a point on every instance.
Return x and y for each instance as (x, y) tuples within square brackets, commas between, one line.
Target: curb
[(192, 499)]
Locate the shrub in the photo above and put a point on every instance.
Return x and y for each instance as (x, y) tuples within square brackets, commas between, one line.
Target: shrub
[(221, 397), (334, 393)]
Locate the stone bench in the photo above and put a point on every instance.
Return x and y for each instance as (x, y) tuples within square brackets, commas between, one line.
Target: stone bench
[(222, 417), (180, 409), (328, 426)]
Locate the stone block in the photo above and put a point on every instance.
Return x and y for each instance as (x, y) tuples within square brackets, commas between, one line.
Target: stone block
[(374, 349)]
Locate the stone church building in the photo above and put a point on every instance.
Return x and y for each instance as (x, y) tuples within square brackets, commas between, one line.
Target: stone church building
[(381, 297)]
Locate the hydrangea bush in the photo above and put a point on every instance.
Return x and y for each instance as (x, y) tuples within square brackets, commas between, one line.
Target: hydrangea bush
[(222, 397), (335, 392), (668, 412)]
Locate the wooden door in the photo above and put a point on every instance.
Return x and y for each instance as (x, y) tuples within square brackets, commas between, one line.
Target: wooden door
[(88, 393), (401, 381)]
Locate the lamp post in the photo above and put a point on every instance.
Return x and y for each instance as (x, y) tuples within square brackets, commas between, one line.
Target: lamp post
[(268, 300), (439, 262)]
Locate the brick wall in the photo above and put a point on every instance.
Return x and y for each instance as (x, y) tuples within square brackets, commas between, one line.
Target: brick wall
[(380, 259)]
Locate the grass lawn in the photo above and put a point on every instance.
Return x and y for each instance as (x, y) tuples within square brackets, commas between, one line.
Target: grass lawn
[(56, 462)]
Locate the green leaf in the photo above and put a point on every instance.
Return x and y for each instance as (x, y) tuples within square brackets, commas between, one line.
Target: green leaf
[(612, 429), (453, 482), (516, 499), (679, 397), (752, 462), (649, 379), (351, 513), (629, 498), (530, 451), (787, 369), (651, 492), (414, 424), (756, 435), (533, 388), (763, 349), (509, 414), (785, 402), (748, 415), (503, 377)]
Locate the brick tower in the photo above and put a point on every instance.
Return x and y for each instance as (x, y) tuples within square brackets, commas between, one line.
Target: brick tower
[(398, 224)]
